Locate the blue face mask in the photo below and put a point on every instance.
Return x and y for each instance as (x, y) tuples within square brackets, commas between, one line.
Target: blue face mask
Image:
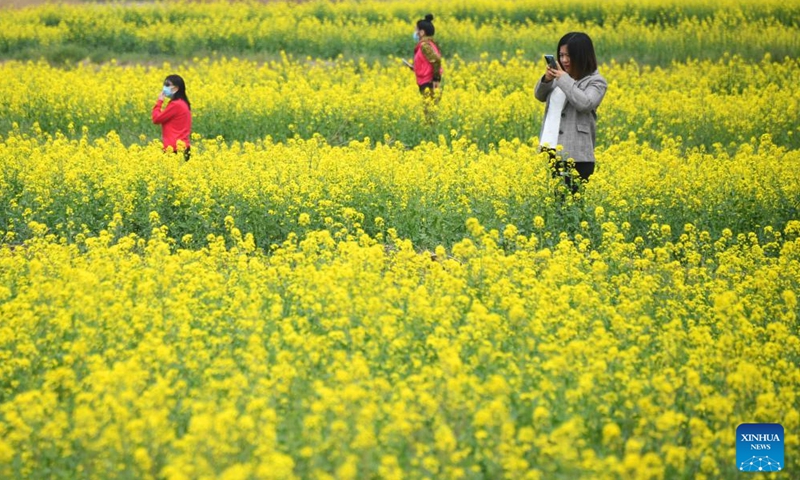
[(167, 91), (416, 36)]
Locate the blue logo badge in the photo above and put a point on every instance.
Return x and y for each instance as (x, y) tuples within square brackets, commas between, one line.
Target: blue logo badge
[(759, 447)]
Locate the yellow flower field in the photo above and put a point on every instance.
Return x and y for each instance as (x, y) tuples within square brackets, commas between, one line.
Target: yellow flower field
[(342, 358), (731, 100), (330, 288), (77, 187), (655, 30)]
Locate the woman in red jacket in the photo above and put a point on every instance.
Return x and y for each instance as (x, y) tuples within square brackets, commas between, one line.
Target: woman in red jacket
[(427, 66), (176, 118), (427, 58)]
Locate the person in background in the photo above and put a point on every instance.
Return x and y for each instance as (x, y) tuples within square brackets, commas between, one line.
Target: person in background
[(427, 59), (176, 118), (572, 89)]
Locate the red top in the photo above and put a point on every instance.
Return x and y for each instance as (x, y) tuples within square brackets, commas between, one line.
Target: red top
[(427, 61), (175, 121)]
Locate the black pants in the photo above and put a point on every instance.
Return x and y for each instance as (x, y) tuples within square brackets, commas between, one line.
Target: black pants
[(426, 88), (561, 168), (430, 98), (187, 152)]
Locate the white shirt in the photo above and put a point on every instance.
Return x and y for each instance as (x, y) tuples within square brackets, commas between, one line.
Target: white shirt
[(552, 121)]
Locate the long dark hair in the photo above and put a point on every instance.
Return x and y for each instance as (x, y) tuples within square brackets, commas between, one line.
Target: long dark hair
[(581, 53), (180, 93)]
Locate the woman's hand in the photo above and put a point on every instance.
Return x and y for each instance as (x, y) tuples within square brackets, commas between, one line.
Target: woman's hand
[(161, 96), (553, 73)]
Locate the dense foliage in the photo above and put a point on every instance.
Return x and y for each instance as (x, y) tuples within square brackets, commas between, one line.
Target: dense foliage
[(332, 287)]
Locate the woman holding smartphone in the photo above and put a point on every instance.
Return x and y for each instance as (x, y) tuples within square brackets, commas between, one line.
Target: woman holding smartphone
[(176, 118), (572, 89)]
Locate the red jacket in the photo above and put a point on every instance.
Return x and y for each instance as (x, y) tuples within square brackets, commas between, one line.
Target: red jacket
[(175, 121), (427, 62)]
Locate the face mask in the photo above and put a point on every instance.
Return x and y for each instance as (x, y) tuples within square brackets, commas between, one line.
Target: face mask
[(167, 91), (416, 36)]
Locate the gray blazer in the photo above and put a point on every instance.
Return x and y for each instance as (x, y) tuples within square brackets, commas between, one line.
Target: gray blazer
[(579, 117)]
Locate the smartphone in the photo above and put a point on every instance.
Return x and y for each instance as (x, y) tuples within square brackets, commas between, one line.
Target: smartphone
[(551, 61)]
